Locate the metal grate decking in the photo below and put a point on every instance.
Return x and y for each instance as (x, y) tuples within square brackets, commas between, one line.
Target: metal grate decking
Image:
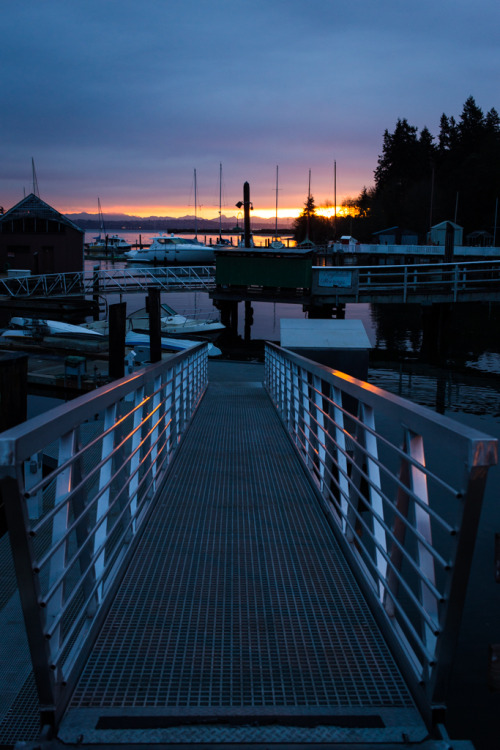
[(238, 618)]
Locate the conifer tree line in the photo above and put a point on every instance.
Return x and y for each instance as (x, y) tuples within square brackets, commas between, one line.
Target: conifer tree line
[(422, 180)]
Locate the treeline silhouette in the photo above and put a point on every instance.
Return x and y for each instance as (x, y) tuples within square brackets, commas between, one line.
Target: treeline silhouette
[(422, 180)]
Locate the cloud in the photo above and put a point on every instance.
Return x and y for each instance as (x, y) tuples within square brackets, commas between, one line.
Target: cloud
[(122, 99)]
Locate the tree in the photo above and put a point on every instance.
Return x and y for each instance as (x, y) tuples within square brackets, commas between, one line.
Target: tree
[(310, 226)]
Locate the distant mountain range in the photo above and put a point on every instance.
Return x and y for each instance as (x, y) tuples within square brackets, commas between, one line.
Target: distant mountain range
[(170, 223)]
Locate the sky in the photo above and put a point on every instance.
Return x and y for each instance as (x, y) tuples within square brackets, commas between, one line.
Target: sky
[(122, 100)]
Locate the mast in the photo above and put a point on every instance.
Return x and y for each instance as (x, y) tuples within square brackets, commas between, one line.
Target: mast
[(101, 217), (195, 206), (334, 200), (35, 181), (308, 207), (220, 202), (276, 223)]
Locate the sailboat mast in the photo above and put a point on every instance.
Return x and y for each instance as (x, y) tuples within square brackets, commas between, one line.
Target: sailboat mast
[(101, 217), (195, 206), (276, 222), (220, 201), (308, 205)]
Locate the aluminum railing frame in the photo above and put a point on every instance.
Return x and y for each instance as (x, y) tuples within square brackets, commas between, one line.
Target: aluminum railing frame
[(117, 280), (416, 588), (70, 560)]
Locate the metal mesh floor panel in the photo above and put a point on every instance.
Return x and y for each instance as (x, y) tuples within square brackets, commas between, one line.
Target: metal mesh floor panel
[(238, 595)]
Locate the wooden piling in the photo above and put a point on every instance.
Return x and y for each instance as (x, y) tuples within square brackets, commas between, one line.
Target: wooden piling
[(153, 306), (13, 402), (117, 324)]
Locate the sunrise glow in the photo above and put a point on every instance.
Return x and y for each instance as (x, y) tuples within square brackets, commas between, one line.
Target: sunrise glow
[(177, 212)]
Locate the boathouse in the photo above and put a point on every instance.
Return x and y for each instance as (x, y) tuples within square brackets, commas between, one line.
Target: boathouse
[(35, 237), (396, 236), (438, 233)]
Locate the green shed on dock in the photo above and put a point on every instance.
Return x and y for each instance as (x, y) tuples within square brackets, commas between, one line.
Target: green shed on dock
[(264, 267)]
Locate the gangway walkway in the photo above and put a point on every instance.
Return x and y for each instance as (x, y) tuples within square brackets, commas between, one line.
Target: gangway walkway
[(278, 562), (239, 609)]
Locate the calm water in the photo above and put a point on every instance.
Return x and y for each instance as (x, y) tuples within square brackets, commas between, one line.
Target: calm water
[(466, 389)]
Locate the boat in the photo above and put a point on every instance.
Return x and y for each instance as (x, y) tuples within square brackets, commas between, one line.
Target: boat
[(174, 324), (221, 243), (167, 248), (105, 243), (277, 243), (135, 339), (43, 327)]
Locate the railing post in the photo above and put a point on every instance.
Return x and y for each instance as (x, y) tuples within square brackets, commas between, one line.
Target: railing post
[(57, 568), (105, 476), (29, 592)]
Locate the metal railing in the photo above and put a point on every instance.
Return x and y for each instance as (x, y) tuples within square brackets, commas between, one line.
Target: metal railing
[(450, 282), (78, 483), (402, 487), (107, 281)]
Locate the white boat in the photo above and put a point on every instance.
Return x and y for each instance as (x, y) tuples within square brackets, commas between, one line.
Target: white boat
[(44, 327), (105, 243), (110, 244), (174, 324), (167, 248), (135, 338)]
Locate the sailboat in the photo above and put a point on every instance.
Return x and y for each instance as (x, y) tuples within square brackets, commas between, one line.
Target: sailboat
[(221, 242), (105, 243), (276, 244), (306, 243)]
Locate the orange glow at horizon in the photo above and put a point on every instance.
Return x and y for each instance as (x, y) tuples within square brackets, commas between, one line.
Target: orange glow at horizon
[(177, 212)]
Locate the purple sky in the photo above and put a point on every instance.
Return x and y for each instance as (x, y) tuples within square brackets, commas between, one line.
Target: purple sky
[(123, 100)]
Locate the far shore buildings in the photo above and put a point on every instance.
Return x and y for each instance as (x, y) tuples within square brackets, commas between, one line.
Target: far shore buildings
[(35, 237)]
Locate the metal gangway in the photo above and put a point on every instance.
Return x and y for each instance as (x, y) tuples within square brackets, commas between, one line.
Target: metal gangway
[(220, 560), (470, 281), (110, 281)]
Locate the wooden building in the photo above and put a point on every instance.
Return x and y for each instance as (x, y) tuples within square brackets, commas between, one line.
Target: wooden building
[(35, 237)]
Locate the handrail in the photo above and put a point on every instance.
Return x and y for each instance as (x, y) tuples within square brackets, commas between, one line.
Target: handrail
[(402, 487), (115, 280), (452, 282), (73, 525)]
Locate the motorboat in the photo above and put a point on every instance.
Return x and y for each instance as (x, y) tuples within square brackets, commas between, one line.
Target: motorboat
[(105, 243), (167, 248), (39, 327), (174, 324), (136, 339), (109, 244)]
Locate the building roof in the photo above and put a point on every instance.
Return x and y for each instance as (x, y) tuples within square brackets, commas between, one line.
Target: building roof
[(35, 207), (443, 224)]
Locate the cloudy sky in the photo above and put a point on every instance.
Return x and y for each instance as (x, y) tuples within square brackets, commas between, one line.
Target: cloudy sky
[(123, 99)]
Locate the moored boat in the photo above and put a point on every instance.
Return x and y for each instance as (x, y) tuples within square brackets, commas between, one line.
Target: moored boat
[(174, 324), (44, 327), (135, 338), (167, 248)]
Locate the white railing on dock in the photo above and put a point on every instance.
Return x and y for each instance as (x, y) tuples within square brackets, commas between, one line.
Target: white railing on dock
[(450, 282), (77, 484), (108, 281), (402, 487)]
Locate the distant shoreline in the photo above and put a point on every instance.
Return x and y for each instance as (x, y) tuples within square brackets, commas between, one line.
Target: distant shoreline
[(176, 227)]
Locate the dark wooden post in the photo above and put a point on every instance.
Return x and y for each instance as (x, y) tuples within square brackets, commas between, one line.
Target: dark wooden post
[(117, 322), (449, 243), (153, 306), (95, 294), (248, 319), (246, 212), (13, 402), (13, 390)]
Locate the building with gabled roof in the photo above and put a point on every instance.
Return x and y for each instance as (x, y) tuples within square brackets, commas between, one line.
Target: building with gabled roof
[(37, 238)]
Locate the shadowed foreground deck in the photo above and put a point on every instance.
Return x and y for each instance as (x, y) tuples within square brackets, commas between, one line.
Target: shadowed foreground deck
[(238, 619)]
